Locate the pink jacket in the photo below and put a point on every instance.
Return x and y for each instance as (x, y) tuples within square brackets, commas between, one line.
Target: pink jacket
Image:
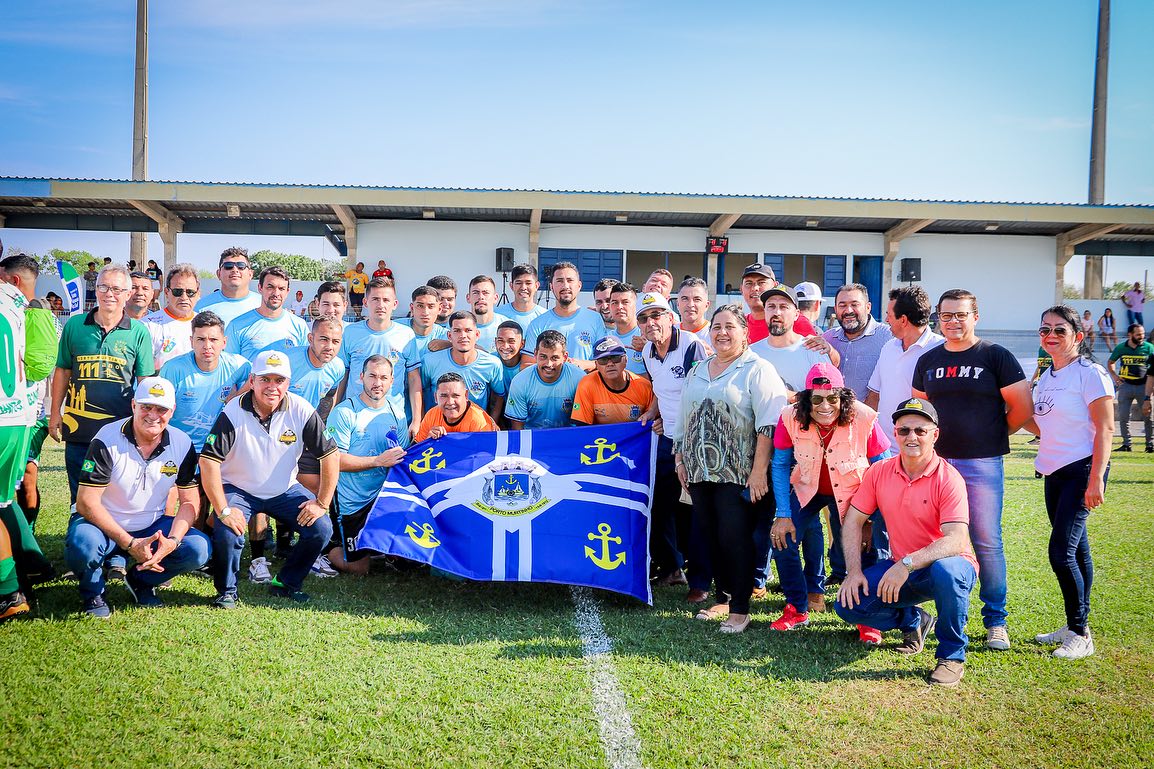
[(847, 455)]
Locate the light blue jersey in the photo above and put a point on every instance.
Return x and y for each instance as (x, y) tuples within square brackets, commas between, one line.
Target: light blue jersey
[(482, 377), (510, 372), (364, 432), (411, 358), (487, 334), (633, 360), (540, 405), (523, 318), (229, 309), (200, 395), (252, 332), (580, 330), (310, 382), (360, 342)]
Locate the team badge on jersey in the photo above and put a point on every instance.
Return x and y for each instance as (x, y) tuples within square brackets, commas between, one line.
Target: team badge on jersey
[(169, 468), (288, 437)]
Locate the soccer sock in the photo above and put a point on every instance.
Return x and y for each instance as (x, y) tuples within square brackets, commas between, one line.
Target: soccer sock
[(8, 582), (257, 547)]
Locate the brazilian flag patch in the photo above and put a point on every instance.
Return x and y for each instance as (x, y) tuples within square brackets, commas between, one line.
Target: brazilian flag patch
[(211, 440), (88, 466)]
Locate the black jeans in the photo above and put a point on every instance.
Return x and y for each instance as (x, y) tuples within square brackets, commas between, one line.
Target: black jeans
[(670, 521), (729, 521), (1069, 542)]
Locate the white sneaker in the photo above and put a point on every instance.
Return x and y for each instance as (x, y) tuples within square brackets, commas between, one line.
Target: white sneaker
[(1059, 636), (323, 568), (258, 572), (1076, 647)]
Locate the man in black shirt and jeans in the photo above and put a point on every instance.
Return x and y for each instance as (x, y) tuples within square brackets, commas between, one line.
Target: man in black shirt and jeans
[(982, 396)]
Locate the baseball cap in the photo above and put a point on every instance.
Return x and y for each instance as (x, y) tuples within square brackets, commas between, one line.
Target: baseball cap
[(780, 290), (824, 371), (271, 362), (757, 268), (808, 292), (155, 391), (607, 347), (917, 406), (652, 301)]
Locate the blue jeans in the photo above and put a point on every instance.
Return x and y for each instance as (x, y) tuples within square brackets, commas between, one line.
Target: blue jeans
[(1069, 547), (947, 583), (985, 487), (285, 508), (86, 547), (796, 582), (879, 548)]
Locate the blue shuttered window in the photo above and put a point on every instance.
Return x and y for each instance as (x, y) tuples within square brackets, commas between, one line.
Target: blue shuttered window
[(593, 264)]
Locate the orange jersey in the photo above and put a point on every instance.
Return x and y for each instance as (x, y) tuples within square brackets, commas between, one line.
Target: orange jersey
[(596, 404), (475, 420)]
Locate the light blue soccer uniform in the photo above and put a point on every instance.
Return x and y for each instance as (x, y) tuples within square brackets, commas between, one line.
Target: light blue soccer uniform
[(229, 309), (487, 334), (523, 318), (541, 405), (364, 432), (252, 332), (580, 331), (633, 360), (482, 377), (310, 382), (411, 358), (510, 372), (200, 395), (360, 342)]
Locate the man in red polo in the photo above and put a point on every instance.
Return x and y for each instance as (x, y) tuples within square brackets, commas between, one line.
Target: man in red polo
[(923, 501)]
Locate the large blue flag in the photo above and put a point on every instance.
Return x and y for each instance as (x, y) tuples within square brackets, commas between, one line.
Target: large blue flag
[(569, 506)]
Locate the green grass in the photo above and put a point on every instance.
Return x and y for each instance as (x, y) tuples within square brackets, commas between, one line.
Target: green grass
[(409, 670)]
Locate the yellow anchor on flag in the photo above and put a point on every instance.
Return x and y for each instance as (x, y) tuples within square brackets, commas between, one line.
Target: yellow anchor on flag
[(426, 538), (425, 463), (604, 561)]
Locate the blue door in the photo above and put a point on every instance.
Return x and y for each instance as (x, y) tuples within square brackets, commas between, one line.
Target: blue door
[(869, 274)]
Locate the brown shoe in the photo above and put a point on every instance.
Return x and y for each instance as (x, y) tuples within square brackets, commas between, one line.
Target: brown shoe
[(676, 577), (697, 596), (948, 673), (817, 602), (759, 593), (915, 640)]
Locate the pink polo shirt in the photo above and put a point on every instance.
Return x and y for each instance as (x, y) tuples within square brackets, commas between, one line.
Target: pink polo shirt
[(914, 511)]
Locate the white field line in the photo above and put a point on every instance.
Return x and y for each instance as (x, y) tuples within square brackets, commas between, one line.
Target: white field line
[(622, 748)]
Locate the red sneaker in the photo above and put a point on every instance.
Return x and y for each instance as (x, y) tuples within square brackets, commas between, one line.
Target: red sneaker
[(869, 636), (790, 619)]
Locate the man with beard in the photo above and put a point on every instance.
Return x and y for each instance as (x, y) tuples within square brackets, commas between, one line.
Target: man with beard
[(171, 327), (1128, 366), (541, 396), (524, 308), (859, 339), (580, 326), (270, 326), (755, 281), (139, 303), (233, 298)]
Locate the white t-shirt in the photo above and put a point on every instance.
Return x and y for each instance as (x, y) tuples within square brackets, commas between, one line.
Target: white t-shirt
[(792, 363), (1061, 411), (171, 337), (894, 373)]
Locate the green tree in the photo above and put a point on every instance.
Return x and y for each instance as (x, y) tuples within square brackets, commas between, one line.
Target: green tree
[(298, 266), (1116, 289), (78, 259), (1070, 291)]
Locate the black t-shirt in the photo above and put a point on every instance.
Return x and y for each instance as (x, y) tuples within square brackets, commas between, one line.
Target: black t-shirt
[(966, 389)]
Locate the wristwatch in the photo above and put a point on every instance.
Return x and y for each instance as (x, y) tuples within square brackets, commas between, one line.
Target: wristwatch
[(224, 512), (908, 562)]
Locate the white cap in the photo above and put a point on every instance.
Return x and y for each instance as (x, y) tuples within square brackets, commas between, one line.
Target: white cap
[(155, 391), (652, 301), (808, 292), (271, 362)]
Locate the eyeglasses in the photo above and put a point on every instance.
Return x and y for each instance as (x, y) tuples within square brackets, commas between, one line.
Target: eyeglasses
[(104, 288), (178, 292), (918, 431), (946, 317), (234, 265), (1058, 331), (611, 359), (832, 399)]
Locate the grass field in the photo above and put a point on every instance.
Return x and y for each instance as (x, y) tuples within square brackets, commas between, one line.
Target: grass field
[(409, 670)]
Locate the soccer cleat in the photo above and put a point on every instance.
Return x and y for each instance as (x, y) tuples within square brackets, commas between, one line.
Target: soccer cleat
[(143, 594), (96, 607), (258, 572), (323, 568), (224, 601), (948, 673), (13, 605), (869, 636), (913, 641), (1059, 636), (998, 638), (1075, 647), (790, 618)]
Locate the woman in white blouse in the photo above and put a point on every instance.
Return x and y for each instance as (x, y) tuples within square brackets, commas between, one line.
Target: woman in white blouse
[(1074, 415), (729, 407)]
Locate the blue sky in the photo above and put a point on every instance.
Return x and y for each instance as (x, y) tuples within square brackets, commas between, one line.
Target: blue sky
[(972, 101)]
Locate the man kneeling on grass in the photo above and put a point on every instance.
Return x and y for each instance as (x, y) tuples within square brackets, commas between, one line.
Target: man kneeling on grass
[(249, 464), (131, 467), (923, 502)]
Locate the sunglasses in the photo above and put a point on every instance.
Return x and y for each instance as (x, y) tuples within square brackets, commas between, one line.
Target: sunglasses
[(178, 292), (1058, 331), (832, 399), (918, 431), (611, 359), (234, 265)]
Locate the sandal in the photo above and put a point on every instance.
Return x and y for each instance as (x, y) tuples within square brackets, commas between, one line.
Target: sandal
[(735, 627), (717, 611)]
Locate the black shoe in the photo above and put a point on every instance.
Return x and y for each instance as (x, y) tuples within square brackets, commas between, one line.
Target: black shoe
[(96, 607), (1124, 448), (46, 575), (224, 601), (1150, 448), (13, 605), (143, 594), (280, 591)]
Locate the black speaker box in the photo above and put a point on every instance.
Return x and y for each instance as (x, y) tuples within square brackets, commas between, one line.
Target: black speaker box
[(911, 270), (504, 259)]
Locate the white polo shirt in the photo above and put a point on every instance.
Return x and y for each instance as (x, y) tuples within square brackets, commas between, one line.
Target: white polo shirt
[(669, 374), (894, 373), (136, 487), (260, 456)]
